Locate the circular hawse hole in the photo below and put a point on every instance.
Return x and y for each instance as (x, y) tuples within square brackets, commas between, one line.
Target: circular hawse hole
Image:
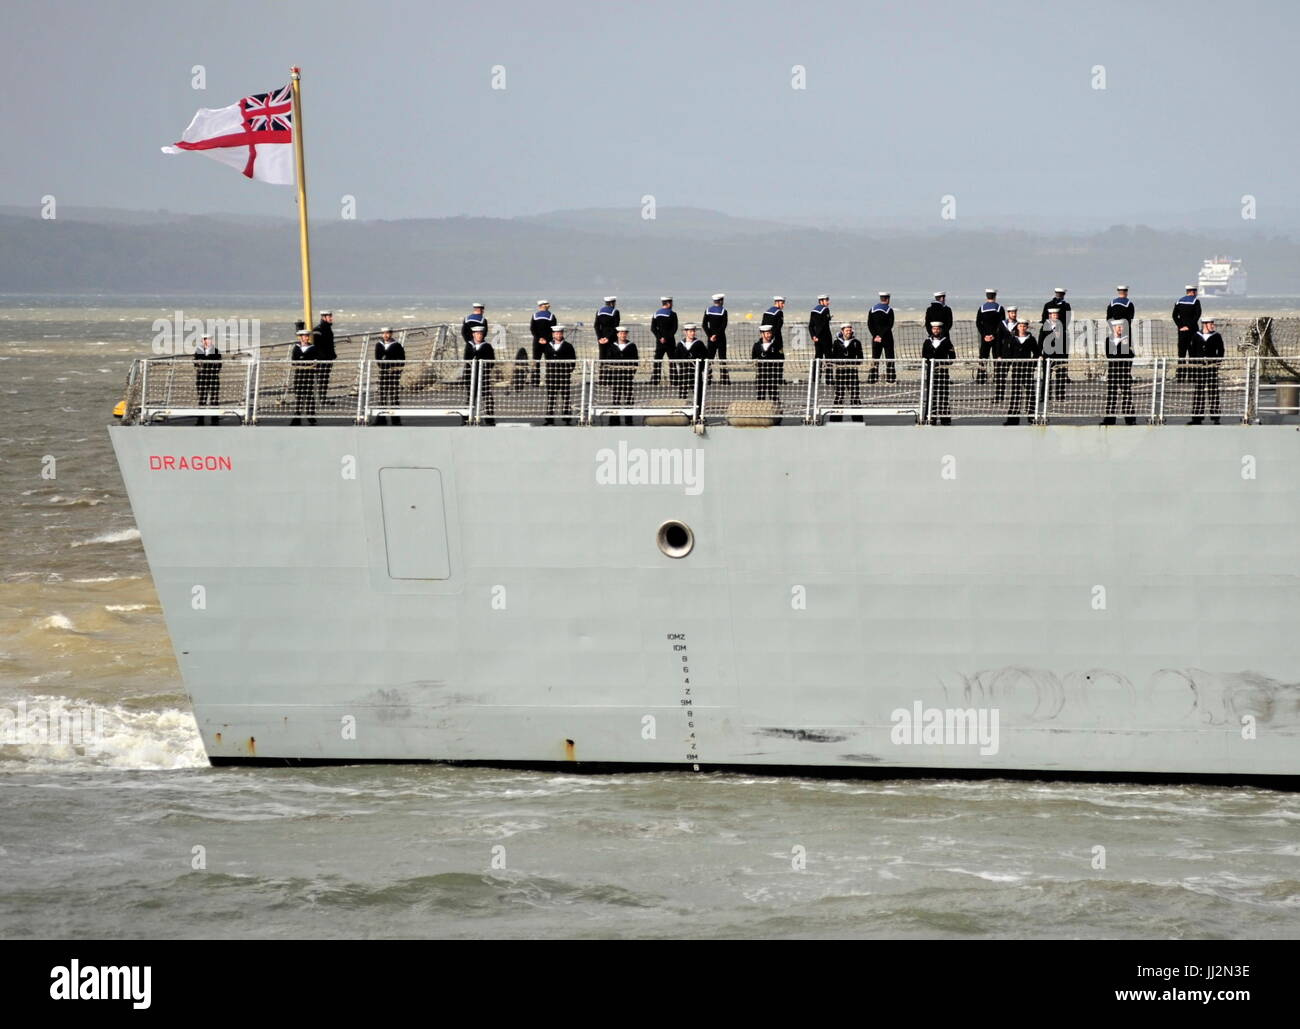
[(675, 539)]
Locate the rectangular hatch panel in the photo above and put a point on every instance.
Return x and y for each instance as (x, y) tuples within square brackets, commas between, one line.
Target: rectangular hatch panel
[(415, 523)]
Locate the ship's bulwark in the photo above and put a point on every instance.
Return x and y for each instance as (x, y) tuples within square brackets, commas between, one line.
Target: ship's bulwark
[(1055, 600)]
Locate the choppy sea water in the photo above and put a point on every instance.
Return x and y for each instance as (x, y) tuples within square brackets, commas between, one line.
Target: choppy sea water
[(135, 836)]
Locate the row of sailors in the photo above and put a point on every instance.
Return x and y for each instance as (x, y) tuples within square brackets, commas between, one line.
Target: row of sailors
[(1013, 347), (1001, 332), (880, 321), (1011, 341), (998, 339)]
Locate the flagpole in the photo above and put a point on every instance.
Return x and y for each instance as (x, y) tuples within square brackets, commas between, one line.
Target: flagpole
[(301, 168)]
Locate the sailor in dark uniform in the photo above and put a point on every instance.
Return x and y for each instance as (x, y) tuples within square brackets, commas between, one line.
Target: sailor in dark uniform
[(1187, 316), (1053, 347), (519, 373), (988, 326), (1061, 306), (939, 311), (1012, 319), (302, 378), (559, 360), (775, 317), (938, 351), (689, 350), (715, 332), (323, 337), (663, 327), (621, 358), (1002, 352), (846, 353), (475, 317), (1020, 348), (1206, 350), (540, 326), (606, 321), (770, 367), (478, 349), (390, 358), (1119, 373), (1122, 308), (880, 327), (819, 327), (207, 376), (604, 333)]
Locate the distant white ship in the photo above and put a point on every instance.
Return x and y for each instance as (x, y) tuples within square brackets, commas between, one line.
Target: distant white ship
[(1222, 277)]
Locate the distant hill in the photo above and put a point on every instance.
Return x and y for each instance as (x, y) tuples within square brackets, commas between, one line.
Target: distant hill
[(139, 252)]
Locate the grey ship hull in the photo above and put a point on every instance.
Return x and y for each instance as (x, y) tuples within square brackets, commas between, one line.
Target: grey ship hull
[(1124, 600)]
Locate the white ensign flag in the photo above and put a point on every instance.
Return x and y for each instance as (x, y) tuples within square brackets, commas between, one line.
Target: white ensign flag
[(254, 136)]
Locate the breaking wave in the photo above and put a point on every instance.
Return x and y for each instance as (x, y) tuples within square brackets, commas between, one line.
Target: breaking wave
[(112, 736), (120, 536)]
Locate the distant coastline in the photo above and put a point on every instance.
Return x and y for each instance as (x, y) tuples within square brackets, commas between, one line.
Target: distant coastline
[(594, 252)]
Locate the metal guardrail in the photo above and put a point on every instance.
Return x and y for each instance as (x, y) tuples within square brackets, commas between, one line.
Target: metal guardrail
[(171, 389), (1211, 389), (733, 392), (546, 392), (391, 389), (760, 391), (965, 389), (645, 388), (857, 389), (1119, 390)]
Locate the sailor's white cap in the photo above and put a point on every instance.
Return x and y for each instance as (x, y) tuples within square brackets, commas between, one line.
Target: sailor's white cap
[(1206, 318), (883, 293), (389, 328), (1122, 289), (1121, 321), (765, 328), (478, 303), (988, 292), (324, 313), (206, 336), (543, 303), (304, 332), (846, 325), (1189, 286), (940, 293), (719, 296), (690, 325), (621, 328), (1012, 307), (775, 299), (1022, 321), (476, 327), (939, 324), (557, 327), (1059, 289), (610, 300), (665, 300), (823, 296)]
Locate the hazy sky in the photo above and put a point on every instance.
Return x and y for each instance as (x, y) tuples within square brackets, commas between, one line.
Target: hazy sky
[(691, 102)]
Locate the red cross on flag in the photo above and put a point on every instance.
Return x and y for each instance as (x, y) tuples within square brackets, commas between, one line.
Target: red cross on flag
[(254, 135)]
